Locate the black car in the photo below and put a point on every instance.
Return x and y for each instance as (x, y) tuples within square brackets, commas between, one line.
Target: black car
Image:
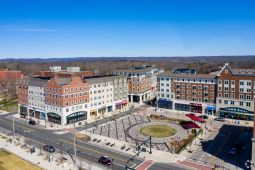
[(104, 160), (220, 119), (49, 148), (31, 122)]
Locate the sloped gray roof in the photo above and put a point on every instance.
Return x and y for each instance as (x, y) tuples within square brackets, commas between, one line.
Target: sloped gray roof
[(196, 76), (35, 81)]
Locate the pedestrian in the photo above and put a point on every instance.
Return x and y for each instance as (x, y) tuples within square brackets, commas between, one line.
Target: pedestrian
[(49, 160)]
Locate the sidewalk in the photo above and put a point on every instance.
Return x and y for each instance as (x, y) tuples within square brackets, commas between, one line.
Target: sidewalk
[(41, 158)]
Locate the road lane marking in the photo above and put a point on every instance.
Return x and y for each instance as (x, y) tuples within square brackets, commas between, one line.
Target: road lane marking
[(98, 152)]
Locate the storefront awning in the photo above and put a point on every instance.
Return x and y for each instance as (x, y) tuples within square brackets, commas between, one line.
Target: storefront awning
[(211, 108), (190, 126)]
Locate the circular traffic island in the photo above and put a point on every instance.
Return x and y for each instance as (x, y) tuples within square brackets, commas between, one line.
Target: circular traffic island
[(158, 131)]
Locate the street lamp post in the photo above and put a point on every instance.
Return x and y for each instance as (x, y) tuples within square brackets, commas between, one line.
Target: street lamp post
[(13, 124), (112, 163)]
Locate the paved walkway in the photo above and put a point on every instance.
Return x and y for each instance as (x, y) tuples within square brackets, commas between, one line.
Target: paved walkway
[(41, 158)]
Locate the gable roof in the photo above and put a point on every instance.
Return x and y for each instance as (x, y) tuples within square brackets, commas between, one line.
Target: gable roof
[(223, 68)]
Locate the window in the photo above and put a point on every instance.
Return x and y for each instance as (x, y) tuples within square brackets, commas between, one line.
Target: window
[(220, 94), (232, 82), (232, 89), (219, 82), (241, 83), (225, 102), (232, 102), (226, 95), (241, 96), (220, 88), (248, 97), (248, 104), (225, 88), (241, 90), (241, 103), (248, 83), (226, 82), (248, 90), (67, 109), (219, 100)]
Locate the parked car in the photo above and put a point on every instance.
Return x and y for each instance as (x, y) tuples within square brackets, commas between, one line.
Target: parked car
[(49, 148), (220, 119), (203, 116), (31, 122), (104, 160), (233, 151)]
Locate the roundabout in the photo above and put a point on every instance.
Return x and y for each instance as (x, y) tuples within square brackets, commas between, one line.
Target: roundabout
[(158, 131)]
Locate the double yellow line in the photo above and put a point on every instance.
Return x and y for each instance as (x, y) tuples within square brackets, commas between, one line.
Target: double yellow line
[(98, 152)]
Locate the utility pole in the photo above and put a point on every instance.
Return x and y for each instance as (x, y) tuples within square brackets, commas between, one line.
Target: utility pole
[(74, 144)]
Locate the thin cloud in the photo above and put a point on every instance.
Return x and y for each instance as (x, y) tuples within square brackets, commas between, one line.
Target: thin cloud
[(31, 29)]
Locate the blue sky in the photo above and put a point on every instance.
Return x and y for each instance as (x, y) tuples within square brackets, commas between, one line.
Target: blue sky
[(74, 28)]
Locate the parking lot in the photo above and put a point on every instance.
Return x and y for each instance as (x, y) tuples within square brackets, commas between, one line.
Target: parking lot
[(228, 146)]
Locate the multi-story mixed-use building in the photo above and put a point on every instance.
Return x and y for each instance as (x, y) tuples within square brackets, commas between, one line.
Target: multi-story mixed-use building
[(228, 93), (71, 99), (142, 82), (187, 92), (107, 94)]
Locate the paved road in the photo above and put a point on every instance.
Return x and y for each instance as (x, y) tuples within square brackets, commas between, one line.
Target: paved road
[(87, 151)]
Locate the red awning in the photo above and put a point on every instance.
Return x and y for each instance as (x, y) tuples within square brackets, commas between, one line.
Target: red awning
[(190, 126), (195, 118)]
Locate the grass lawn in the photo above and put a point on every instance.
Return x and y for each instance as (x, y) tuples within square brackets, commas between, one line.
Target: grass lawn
[(159, 131), (10, 161)]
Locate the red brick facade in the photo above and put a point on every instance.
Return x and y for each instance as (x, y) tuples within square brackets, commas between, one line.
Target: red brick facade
[(73, 93)]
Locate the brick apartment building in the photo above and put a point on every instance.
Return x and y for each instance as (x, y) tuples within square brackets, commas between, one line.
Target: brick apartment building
[(142, 82), (187, 92), (227, 93), (69, 72), (22, 93), (236, 93), (65, 100)]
